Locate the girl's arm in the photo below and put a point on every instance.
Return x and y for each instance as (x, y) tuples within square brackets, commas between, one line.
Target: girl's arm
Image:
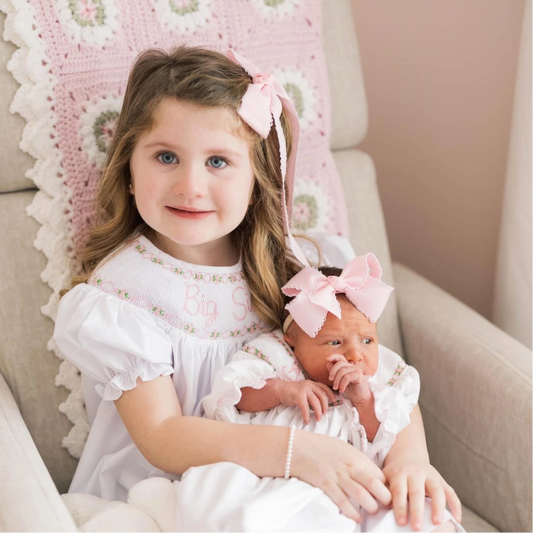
[(302, 394), (410, 477), (172, 442)]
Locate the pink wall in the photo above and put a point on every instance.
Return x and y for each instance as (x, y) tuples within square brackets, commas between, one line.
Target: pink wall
[(440, 78)]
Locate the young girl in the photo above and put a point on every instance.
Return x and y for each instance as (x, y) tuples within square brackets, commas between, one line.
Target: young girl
[(329, 339), (183, 270)]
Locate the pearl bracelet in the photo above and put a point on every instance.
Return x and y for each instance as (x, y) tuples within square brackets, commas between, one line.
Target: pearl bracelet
[(289, 453)]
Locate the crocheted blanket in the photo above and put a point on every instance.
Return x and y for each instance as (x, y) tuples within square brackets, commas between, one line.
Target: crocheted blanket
[(72, 64)]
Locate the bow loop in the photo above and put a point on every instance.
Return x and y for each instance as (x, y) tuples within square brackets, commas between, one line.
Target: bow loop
[(315, 294)]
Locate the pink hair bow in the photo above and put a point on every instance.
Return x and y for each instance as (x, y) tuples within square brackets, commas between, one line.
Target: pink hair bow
[(315, 293), (263, 103)]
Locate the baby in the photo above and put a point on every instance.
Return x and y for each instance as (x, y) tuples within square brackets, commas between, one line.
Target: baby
[(326, 361)]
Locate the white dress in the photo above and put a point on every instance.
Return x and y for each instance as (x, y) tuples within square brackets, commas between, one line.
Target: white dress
[(144, 313)]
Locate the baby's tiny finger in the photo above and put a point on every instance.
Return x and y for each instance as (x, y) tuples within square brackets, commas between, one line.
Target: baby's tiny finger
[(327, 390), (314, 402), (351, 377), (304, 408), (340, 374), (321, 395)]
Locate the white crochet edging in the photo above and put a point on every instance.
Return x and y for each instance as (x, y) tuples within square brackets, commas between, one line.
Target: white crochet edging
[(34, 101)]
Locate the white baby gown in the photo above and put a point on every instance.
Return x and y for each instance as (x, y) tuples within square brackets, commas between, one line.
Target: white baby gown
[(253, 504)]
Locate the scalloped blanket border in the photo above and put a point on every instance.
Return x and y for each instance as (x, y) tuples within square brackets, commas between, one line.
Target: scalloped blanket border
[(34, 101)]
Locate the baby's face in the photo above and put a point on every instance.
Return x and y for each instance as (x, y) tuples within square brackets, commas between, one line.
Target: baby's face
[(353, 336)]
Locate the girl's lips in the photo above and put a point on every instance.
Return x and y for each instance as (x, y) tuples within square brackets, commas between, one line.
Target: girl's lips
[(189, 214)]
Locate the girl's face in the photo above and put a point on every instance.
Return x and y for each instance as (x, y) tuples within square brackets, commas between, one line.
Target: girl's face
[(192, 181), (353, 336)]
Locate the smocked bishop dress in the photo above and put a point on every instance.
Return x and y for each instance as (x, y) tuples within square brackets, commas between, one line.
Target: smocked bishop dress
[(144, 313)]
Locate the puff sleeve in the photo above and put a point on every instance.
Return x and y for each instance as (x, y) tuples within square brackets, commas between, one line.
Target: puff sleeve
[(111, 341)]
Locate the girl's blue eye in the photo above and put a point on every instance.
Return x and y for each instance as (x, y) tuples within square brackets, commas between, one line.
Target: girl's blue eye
[(367, 341), (167, 158), (217, 162), (333, 343)]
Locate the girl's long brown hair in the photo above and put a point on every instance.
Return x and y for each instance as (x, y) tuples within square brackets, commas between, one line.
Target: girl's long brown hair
[(205, 78)]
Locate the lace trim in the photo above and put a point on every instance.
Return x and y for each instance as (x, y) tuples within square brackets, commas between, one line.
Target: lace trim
[(34, 101)]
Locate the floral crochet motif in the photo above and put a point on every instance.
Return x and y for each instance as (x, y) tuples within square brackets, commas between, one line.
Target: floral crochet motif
[(276, 7), (311, 208), (301, 93), (91, 21), (183, 15)]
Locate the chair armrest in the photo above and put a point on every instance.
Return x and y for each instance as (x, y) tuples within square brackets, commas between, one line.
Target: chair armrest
[(475, 399), (29, 500)]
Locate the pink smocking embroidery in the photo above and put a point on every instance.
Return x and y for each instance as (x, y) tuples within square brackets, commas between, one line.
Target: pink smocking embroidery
[(184, 273), (173, 319), (398, 371)]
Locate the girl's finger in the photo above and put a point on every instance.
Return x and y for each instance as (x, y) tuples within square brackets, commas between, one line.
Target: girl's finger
[(373, 480), (435, 491), (314, 402), (398, 488), (453, 502), (335, 492), (357, 492), (417, 496)]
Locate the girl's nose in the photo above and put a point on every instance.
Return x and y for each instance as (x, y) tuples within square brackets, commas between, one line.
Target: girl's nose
[(189, 182)]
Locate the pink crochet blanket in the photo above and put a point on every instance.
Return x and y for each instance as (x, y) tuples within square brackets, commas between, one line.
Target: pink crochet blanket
[(73, 61)]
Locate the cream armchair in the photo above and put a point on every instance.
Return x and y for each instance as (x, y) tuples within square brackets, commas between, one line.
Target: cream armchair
[(476, 380)]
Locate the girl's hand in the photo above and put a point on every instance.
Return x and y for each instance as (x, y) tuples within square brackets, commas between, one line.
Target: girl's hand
[(341, 471), (348, 377), (412, 478), (306, 393)]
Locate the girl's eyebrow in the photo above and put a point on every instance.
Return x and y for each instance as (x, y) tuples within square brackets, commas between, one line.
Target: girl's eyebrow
[(218, 151)]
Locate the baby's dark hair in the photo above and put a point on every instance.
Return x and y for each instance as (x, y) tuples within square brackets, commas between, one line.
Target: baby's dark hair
[(327, 271)]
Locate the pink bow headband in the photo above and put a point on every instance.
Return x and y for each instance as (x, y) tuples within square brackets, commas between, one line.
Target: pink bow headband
[(315, 294), (263, 102)]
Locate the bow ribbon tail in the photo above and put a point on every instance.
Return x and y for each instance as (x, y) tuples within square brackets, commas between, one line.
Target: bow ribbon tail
[(295, 247)]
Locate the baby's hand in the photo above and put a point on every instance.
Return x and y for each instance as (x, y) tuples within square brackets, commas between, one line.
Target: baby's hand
[(307, 393), (348, 378)]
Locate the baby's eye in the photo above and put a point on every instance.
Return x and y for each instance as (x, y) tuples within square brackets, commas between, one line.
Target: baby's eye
[(167, 158), (367, 341), (217, 162), (333, 343)]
